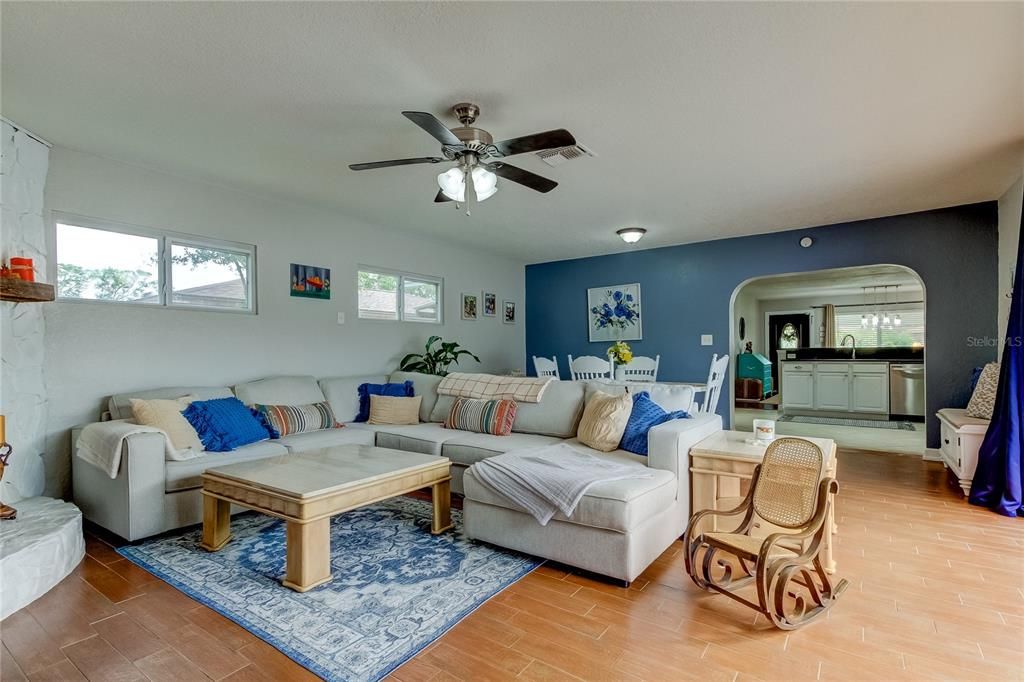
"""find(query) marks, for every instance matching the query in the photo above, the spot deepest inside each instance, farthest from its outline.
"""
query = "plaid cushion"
(288, 419)
(482, 416)
(493, 387)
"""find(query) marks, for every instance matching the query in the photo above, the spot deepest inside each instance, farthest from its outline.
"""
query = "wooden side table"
(721, 463)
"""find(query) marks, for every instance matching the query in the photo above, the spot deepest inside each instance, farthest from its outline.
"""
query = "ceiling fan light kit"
(631, 235)
(472, 149)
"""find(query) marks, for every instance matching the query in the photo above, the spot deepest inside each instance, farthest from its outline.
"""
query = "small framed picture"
(308, 281)
(490, 304)
(469, 304)
(509, 314)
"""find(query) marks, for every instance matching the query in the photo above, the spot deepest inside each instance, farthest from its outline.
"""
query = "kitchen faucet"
(853, 342)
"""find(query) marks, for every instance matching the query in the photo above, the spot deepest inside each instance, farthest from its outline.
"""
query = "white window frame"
(400, 293)
(894, 309)
(165, 240)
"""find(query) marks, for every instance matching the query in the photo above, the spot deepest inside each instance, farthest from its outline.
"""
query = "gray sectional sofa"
(617, 530)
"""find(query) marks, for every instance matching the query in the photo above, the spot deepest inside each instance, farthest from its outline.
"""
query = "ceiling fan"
(472, 149)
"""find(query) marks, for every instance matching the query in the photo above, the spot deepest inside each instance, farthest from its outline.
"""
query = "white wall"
(96, 349)
(22, 387)
(1009, 234)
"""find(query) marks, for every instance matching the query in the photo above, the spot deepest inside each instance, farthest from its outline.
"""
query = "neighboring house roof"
(228, 294)
(376, 303)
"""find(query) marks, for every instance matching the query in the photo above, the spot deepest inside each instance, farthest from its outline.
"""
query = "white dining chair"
(546, 367)
(640, 368)
(716, 377)
(589, 367)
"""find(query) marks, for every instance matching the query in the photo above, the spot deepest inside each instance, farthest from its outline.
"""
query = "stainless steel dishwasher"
(906, 389)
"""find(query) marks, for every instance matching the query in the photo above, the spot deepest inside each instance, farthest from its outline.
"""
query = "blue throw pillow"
(646, 415)
(403, 390)
(224, 424)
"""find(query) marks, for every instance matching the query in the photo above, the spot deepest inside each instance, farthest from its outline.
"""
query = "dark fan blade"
(523, 177)
(432, 125)
(395, 162)
(440, 197)
(551, 139)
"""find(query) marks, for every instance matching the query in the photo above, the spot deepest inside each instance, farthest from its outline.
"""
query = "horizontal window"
(97, 261)
(904, 327)
(388, 295)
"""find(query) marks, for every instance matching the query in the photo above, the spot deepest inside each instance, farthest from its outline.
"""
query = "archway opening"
(836, 353)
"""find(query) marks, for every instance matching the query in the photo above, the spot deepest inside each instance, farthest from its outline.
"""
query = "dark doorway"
(786, 331)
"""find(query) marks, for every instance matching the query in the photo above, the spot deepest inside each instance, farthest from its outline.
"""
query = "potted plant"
(435, 360)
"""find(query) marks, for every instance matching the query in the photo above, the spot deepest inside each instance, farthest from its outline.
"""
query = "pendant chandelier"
(879, 316)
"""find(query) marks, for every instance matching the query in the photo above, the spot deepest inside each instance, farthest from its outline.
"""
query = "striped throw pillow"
(482, 416)
(288, 419)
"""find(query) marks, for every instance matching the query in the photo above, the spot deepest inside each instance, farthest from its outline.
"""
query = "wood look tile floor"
(937, 592)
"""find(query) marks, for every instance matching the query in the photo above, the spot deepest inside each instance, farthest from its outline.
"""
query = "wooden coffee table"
(307, 489)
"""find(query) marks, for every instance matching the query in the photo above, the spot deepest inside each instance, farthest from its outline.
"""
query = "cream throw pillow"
(604, 420)
(385, 409)
(983, 401)
(166, 416)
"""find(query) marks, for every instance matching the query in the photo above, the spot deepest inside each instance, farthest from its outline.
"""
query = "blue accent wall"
(686, 291)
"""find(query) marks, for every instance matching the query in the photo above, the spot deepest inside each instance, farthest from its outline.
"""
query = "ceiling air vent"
(558, 156)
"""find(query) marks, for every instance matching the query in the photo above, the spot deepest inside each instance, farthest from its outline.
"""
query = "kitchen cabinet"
(869, 388)
(798, 386)
(854, 387)
(832, 388)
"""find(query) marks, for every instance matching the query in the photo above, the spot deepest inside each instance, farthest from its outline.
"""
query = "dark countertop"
(899, 354)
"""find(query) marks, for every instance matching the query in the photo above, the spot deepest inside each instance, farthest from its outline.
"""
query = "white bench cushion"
(469, 448)
(423, 438)
(613, 505)
(287, 390)
(188, 473)
(311, 440)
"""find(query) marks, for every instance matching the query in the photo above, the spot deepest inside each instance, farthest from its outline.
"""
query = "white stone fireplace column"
(44, 543)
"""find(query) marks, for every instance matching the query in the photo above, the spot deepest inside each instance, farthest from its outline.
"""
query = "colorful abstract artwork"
(310, 282)
(614, 313)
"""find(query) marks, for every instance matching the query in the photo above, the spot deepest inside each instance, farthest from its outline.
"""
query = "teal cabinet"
(755, 366)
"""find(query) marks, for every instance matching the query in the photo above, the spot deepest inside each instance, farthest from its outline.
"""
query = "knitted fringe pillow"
(482, 416)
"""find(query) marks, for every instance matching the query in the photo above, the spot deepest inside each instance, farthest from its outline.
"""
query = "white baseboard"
(932, 455)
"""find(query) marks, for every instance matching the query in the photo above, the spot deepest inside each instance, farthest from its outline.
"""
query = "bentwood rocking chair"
(787, 492)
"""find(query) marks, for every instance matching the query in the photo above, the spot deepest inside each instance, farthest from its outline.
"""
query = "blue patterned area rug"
(396, 587)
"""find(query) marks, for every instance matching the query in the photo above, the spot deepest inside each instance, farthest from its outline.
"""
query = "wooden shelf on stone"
(20, 291)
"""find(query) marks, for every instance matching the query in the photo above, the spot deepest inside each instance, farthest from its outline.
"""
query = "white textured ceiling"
(857, 281)
(709, 120)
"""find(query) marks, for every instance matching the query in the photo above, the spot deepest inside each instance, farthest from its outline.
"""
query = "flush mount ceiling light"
(631, 235)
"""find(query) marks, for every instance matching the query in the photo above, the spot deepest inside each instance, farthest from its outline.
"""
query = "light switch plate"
(341, 318)
(706, 339)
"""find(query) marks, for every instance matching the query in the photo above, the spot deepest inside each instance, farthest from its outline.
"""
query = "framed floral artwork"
(613, 313)
(469, 303)
(509, 312)
(490, 304)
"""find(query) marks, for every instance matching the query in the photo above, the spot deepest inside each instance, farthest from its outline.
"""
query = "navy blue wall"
(686, 291)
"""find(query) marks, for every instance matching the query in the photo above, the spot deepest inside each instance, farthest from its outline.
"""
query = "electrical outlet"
(341, 318)
(706, 339)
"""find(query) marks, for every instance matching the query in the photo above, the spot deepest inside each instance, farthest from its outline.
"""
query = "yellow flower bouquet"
(620, 352)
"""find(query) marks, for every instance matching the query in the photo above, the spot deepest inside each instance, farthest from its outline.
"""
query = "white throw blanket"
(552, 478)
(101, 444)
(493, 387)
